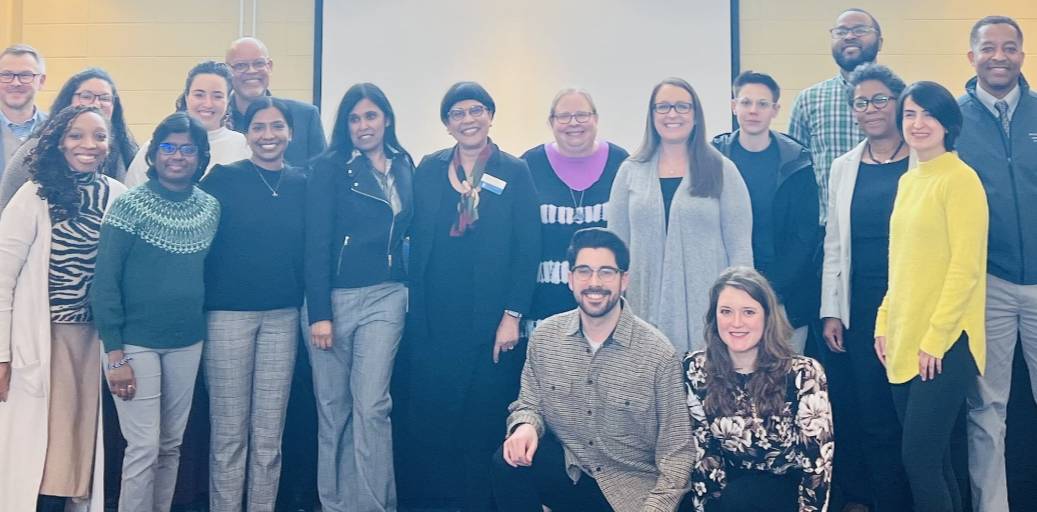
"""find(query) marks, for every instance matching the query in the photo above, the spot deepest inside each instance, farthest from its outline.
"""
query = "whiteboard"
(523, 52)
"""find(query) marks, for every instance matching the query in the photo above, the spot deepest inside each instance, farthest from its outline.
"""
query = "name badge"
(493, 184)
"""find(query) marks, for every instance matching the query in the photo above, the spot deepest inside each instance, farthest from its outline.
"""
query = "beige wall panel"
(163, 11)
(288, 38)
(198, 39)
(54, 11)
(287, 12)
(56, 41)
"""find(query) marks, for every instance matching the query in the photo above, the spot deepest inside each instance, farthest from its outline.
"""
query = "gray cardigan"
(670, 276)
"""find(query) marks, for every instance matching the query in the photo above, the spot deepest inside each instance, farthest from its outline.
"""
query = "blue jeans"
(351, 385)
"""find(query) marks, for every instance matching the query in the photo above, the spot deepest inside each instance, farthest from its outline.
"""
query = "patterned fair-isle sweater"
(149, 286)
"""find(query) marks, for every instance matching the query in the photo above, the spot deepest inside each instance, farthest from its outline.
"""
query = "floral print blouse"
(799, 442)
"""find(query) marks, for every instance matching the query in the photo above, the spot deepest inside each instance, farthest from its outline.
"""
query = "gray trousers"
(153, 424)
(248, 358)
(351, 385)
(1011, 314)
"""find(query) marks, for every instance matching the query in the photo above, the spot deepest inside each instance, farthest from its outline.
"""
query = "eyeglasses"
(605, 274)
(879, 101)
(246, 66)
(457, 114)
(90, 97)
(682, 107)
(858, 31)
(747, 103)
(168, 148)
(567, 117)
(23, 78)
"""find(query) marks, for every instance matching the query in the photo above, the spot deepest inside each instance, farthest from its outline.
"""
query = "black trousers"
(526, 489)
(928, 411)
(757, 491)
(879, 424)
(46, 503)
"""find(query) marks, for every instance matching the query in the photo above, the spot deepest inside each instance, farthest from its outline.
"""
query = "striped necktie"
(1002, 115)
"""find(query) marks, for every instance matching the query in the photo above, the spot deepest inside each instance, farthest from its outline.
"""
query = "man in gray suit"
(22, 74)
(250, 62)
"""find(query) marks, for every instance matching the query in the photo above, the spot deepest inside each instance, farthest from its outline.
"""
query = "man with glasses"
(601, 421)
(999, 140)
(821, 116)
(250, 64)
(778, 173)
(22, 74)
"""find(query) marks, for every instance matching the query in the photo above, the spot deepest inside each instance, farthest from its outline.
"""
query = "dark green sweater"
(149, 287)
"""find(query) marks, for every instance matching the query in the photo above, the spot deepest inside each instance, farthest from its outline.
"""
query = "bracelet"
(120, 363)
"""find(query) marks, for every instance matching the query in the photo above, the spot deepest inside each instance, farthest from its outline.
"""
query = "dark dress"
(451, 399)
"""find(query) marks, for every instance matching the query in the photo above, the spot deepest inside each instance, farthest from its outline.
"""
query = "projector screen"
(523, 52)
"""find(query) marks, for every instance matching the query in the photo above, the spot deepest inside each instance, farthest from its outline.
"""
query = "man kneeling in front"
(601, 421)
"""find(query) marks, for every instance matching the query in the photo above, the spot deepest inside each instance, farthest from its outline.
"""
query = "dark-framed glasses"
(858, 31)
(567, 117)
(246, 66)
(879, 101)
(605, 274)
(747, 103)
(89, 97)
(457, 114)
(682, 107)
(23, 78)
(168, 148)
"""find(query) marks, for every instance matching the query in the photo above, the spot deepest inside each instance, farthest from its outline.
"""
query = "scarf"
(468, 204)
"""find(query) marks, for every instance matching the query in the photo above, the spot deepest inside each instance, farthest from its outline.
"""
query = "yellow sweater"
(937, 266)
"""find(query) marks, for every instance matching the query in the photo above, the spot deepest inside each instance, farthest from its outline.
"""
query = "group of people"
(653, 369)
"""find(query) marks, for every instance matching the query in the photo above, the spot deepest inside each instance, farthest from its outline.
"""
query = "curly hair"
(49, 168)
(767, 385)
(123, 146)
(208, 67)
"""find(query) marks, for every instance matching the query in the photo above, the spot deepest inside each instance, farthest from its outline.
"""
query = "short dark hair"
(265, 102)
(599, 238)
(940, 104)
(874, 22)
(465, 91)
(879, 73)
(752, 77)
(180, 122)
(992, 20)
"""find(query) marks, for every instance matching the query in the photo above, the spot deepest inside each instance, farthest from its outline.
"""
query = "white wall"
(523, 52)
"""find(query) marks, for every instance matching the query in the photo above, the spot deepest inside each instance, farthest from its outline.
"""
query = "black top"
(669, 188)
(870, 210)
(255, 262)
(449, 295)
(353, 239)
(759, 170)
(558, 222)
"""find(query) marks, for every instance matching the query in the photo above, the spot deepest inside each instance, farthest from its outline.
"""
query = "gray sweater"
(672, 271)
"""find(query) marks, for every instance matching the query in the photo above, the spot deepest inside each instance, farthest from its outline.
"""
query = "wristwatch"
(513, 314)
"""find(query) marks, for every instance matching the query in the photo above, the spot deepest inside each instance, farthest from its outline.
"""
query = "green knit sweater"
(148, 289)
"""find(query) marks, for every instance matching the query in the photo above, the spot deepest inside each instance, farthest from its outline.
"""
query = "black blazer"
(508, 236)
(352, 238)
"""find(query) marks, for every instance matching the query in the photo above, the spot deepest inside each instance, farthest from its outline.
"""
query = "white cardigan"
(835, 277)
(25, 342)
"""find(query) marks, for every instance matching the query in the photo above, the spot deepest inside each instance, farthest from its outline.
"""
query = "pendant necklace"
(273, 190)
(891, 157)
(578, 216)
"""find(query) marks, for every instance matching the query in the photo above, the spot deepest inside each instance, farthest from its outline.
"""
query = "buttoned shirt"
(21, 130)
(618, 411)
(988, 100)
(822, 120)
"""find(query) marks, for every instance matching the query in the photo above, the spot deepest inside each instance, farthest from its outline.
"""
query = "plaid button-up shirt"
(822, 120)
(619, 412)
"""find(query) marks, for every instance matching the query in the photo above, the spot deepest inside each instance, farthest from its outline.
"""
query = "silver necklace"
(273, 190)
(577, 208)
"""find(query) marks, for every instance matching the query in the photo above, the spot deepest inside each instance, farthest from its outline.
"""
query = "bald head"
(249, 61)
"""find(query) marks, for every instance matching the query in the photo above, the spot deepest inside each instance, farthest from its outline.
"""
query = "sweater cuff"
(111, 342)
(934, 344)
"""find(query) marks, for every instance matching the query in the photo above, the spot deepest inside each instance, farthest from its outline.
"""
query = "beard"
(867, 53)
(612, 299)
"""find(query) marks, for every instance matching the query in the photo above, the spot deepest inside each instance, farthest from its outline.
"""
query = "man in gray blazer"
(22, 74)
(251, 65)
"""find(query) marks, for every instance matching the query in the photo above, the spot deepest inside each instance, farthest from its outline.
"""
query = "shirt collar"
(622, 334)
(30, 123)
(988, 100)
